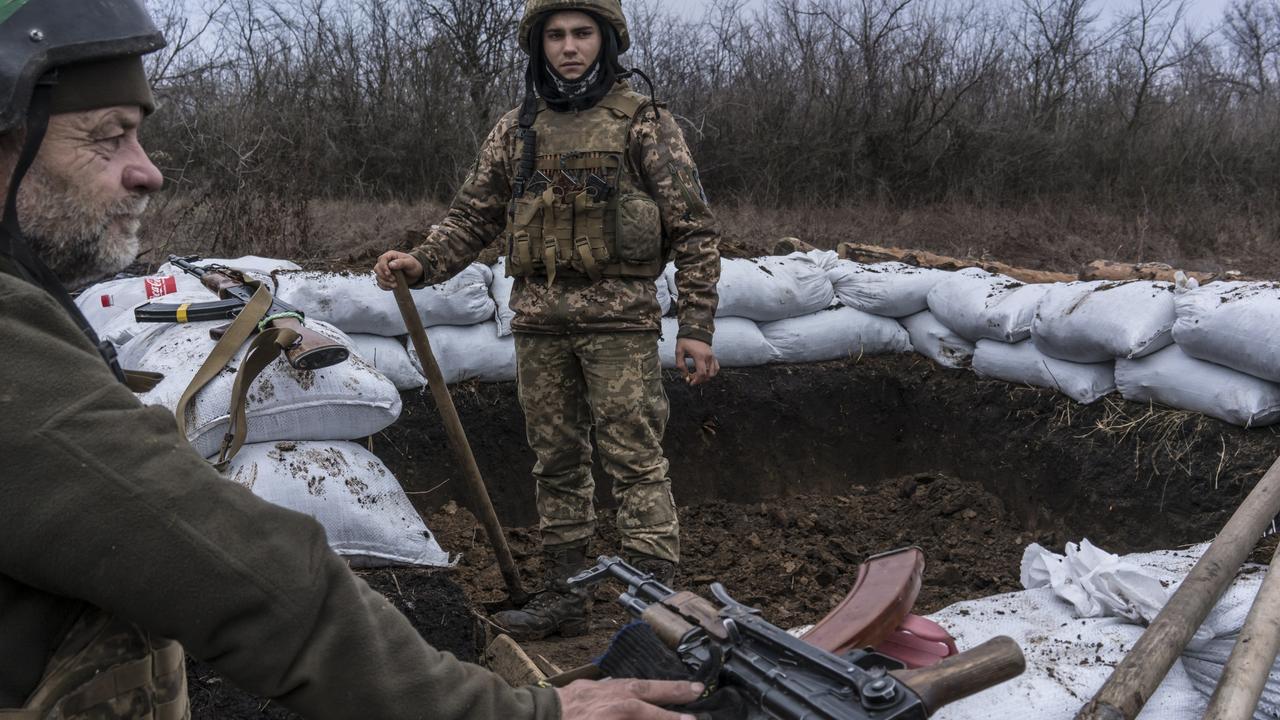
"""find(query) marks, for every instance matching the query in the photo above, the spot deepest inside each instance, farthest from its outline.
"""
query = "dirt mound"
(794, 558)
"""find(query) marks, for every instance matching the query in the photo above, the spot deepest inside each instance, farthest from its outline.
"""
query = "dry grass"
(1047, 235)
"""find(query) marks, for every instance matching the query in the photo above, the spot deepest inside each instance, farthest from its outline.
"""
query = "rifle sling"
(262, 352)
(224, 352)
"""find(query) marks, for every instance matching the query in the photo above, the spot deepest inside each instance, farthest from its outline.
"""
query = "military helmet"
(608, 10)
(37, 36)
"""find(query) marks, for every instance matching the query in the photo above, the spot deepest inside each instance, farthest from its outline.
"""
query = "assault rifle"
(785, 678)
(309, 351)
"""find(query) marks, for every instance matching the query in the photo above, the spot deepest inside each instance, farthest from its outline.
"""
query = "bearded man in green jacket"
(589, 188)
(118, 541)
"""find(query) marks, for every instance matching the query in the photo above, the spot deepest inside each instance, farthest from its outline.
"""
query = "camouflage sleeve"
(477, 214)
(664, 160)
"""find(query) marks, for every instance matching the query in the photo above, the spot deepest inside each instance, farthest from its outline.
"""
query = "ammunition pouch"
(582, 213)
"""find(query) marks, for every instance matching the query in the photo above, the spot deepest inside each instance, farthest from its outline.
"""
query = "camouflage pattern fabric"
(610, 10)
(612, 381)
(658, 161)
(107, 669)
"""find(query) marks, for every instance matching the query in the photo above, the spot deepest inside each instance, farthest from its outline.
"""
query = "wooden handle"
(311, 351)
(960, 676)
(667, 625)
(482, 505)
(1138, 675)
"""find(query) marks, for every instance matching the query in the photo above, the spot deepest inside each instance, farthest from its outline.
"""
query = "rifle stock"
(311, 351)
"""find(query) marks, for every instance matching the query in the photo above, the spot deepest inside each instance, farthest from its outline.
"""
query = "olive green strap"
(264, 349)
(549, 233)
(240, 329)
(583, 245)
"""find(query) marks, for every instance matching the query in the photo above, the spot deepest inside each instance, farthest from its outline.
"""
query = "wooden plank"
(505, 657)
(920, 258)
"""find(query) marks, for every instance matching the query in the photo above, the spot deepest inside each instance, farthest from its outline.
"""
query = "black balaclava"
(564, 95)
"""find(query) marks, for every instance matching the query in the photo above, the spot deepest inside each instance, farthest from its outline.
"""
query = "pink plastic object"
(918, 642)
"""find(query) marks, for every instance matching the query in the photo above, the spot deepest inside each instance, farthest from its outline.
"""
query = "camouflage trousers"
(569, 384)
(107, 669)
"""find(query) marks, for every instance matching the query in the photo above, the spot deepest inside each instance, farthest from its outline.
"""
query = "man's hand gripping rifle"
(305, 350)
(786, 678)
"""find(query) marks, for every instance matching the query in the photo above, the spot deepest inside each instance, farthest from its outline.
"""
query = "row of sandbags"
(1078, 617)
(300, 424)
(1208, 349)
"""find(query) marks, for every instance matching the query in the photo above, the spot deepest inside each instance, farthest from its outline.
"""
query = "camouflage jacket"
(662, 164)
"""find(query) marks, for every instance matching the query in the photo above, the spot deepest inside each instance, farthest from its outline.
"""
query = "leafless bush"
(270, 104)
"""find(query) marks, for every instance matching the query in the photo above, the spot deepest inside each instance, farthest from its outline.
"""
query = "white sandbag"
(839, 332)
(1023, 363)
(1089, 322)
(391, 358)
(1172, 377)
(891, 289)
(738, 342)
(1236, 324)
(1096, 583)
(977, 304)
(353, 302)
(1067, 660)
(767, 288)
(500, 289)
(664, 294)
(346, 401)
(470, 352)
(366, 515)
(102, 303)
(825, 259)
(936, 341)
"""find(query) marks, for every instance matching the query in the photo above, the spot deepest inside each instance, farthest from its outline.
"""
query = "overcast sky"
(1198, 11)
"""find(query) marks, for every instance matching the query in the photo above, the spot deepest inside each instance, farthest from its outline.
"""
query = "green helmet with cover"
(95, 44)
(608, 10)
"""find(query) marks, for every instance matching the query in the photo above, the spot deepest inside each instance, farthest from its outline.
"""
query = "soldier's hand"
(395, 260)
(705, 364)
(626, 699)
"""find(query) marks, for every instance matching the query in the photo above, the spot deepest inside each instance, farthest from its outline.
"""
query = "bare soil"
(789, 476)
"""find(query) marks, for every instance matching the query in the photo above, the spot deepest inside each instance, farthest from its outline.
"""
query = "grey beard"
(78, 241)
(573, 88)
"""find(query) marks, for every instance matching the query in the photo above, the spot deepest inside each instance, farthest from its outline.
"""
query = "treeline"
(795, 102)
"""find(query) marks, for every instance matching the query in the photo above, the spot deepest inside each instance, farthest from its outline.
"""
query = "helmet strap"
(27, 264)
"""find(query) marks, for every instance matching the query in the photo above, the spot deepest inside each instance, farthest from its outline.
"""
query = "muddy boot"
(558, 609)
(664, 571)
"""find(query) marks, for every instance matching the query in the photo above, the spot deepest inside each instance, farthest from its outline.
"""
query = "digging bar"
(481, 503)
(1140, 673)
(1236, 696)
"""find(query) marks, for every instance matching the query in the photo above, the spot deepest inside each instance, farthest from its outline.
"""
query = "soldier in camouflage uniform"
(590, 188)
(119, 545)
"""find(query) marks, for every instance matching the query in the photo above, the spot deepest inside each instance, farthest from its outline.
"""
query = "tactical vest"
(107, 669)
(582, 209)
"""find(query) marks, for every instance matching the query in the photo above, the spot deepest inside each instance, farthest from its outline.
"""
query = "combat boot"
(558, 609)
(664, 571)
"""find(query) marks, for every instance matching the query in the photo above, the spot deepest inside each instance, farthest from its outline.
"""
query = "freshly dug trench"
(789, 476)
(1130, 476)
